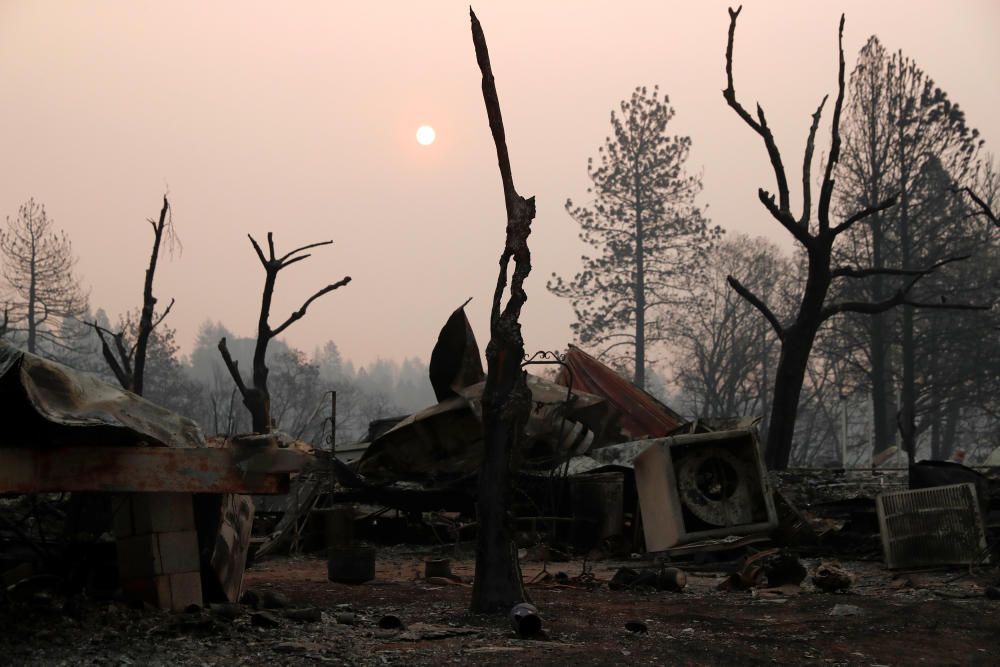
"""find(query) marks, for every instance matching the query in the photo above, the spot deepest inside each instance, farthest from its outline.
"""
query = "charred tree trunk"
(797, 338)
(640, 297)
(255, 396)
(908, 395)
(129, 366)
(881, 372)
(506, 398)
(32, 300)
(952, 417)
(797, 343)
(146, 323)
(937, 448)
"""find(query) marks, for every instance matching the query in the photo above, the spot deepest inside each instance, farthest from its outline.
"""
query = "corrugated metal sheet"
(45, 403)
(641, 415)
(445, 441)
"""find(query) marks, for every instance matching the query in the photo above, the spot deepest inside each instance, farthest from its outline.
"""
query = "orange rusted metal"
(641, 415)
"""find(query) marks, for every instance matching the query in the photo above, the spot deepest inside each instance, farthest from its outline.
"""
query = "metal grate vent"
(927, 527)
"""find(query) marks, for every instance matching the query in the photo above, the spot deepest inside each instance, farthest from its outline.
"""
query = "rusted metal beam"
(146, 469)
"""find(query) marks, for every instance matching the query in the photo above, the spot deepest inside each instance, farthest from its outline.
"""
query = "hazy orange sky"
(299, 118)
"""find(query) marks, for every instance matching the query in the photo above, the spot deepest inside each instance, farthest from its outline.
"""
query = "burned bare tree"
(506, 397)
(39, 283)
(256, 397)
(129, 366)
(797, 337)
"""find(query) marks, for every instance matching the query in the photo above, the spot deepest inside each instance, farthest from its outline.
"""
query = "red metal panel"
(641, 415)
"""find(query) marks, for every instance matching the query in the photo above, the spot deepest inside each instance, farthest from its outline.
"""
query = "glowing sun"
(426, 135)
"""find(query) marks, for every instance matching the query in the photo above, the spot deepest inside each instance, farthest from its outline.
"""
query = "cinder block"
(144, 513)
(162, 512)
(138, 556)
(185, 590)
(178, 552)
(166, 591)
(153, 590)
(121, 512)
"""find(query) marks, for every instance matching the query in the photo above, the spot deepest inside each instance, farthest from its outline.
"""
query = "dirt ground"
(933, 618)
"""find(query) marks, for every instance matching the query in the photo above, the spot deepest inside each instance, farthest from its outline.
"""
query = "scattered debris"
(832, 577)
(638, 627)
(784, 569)
(933, 526)
(351, 564)
(430, 631)
(390, 622)
(661, 579)
(525, 620)
(304, 615)
(846, 610)
(264, 619)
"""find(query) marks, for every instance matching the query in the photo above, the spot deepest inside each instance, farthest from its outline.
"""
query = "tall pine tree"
(647, 229)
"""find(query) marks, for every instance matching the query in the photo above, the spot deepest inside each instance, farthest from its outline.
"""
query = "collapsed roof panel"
(445, 441)
(48, 404)
(455, 361)
(640, 414)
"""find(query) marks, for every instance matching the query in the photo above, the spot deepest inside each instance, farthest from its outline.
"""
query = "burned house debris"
(655, 505)
(615, 492)
(539, 508)
(181, 519)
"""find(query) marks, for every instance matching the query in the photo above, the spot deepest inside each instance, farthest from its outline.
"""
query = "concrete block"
(166, 591)
(185, 590)
(162, 512)
(138, 556)
(178, 552)
(152, 590)
(121, 513)
(144, 513)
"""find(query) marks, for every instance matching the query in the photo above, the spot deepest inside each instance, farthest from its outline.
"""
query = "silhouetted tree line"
(894, 325)
(879, 330)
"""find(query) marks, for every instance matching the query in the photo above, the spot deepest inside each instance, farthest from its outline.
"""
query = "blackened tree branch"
(807, 164)
(757, 303)
(826, 192)
(901, 297)
(256, 247)
(864, 213)
(130, 365)
(852, 272)
(760, 127)
(163, 316)
(146, 323)
(123, 379)
(983, 206)
(285, 257)
(256, 397)
(233, 366)
(300, 313)
(798, 230)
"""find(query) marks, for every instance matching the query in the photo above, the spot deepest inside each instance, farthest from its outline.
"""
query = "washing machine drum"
(714, 485)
